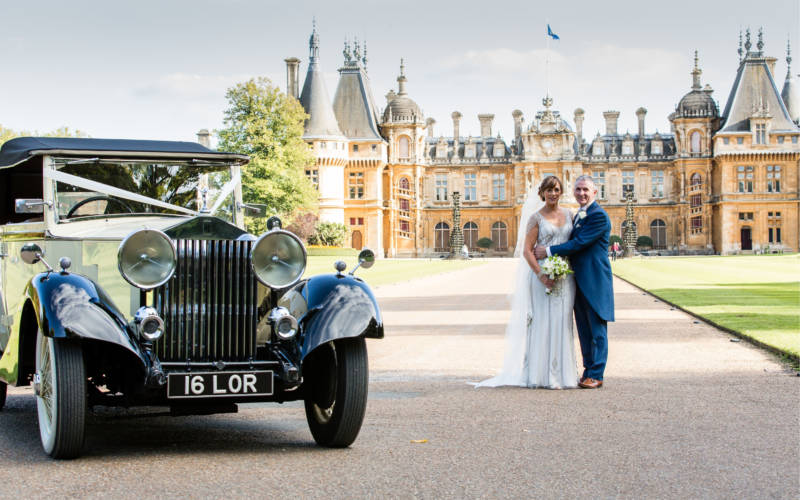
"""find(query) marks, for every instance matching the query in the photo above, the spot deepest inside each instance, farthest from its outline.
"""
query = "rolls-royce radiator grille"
(209, 306)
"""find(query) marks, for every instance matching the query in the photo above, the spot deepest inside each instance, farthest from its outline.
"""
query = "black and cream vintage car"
(128, 279)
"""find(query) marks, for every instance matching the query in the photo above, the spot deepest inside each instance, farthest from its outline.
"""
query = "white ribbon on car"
(226, 190)
(80, 182)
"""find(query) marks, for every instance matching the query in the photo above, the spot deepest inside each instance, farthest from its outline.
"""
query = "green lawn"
(389, 270)
(755, 295)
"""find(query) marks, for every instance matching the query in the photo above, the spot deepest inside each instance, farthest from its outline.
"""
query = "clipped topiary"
(485, 243)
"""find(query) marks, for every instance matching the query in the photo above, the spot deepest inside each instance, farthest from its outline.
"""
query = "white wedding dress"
(540, 351)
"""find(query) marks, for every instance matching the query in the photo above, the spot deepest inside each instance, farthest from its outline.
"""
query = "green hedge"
(332, 251)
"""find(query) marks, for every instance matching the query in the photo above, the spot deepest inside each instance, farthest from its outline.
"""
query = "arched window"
(500, 236)
(696, 179)
(404, 183)
(441, 237)
(403, 147)
(658, 233)
(695, 141)
(471, 236)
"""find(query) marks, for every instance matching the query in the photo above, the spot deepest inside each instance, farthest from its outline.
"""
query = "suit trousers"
(592, 333)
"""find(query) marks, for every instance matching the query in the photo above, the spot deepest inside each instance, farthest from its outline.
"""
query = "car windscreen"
(86, 188)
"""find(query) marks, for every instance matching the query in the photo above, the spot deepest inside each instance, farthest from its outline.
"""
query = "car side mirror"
(366, 258)
(31, 253)
(29, 205)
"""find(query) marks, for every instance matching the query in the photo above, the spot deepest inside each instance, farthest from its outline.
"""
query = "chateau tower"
(403, 126)
(323, 134)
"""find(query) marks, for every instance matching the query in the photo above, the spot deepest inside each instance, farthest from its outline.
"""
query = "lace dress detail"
(540, 350)
(550, 353)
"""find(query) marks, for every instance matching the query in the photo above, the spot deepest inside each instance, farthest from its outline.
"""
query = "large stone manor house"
(719, 182)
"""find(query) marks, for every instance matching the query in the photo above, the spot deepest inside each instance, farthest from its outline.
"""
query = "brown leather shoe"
(590, 383)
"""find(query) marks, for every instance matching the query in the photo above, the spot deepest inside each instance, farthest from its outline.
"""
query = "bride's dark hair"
(549, 182)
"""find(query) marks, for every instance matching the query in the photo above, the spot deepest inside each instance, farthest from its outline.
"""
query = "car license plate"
(219, 384)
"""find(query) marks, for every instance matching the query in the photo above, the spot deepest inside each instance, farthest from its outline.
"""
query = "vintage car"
(128, 279)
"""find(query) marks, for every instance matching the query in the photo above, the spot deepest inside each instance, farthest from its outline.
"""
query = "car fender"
(68, 305)
(339, 306)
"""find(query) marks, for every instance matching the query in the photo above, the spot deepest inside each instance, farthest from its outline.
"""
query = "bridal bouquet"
(555, 267)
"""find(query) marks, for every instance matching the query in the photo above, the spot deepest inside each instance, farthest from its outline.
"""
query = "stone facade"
(716, 183)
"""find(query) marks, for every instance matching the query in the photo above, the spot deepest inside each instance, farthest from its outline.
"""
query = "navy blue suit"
(587, 250)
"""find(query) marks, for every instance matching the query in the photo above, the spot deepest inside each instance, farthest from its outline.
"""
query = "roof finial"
(788, 57)
(313, 43)
(696, 72)
(747, 43)
(401, 80)
(357, 51)
(346, 51)
(740, 51)
(364, 59)
(760, 43)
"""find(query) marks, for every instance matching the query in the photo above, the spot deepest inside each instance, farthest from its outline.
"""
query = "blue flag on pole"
(551, 34)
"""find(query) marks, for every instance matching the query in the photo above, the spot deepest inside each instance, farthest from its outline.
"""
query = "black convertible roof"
(20, 149)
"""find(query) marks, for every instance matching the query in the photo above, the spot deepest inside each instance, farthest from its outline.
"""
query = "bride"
(540, 351)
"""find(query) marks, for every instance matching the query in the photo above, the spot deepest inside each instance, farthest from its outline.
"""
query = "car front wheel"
(60, 388)
(337, 395)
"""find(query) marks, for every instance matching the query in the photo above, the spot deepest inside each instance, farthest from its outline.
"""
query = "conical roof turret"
(353, 104)
(790, 93)
(315, 98)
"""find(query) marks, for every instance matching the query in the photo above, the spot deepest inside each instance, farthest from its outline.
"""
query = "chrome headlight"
(146, 258)
(149, 324)
(278, 259)
(284, 325)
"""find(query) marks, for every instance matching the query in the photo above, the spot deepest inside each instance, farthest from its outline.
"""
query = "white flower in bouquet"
(555, 268)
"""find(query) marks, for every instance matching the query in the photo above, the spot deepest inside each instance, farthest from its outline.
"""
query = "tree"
(614, 238)
(266, 124)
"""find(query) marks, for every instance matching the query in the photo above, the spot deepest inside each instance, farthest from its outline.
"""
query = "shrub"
(303, 225)
(485, 243)
(614, 238)
(644, 241)
(329, 234)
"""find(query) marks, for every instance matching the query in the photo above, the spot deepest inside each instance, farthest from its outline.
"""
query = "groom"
(587, 250)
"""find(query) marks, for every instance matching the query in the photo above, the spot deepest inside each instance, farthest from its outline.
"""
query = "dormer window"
(627, 149)
(655, 148)
(441, 149)
(469, 151)
(761, 133)
(598, 149)
(499, 149)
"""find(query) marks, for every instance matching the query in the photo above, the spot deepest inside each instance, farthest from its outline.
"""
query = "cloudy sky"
(155, 69)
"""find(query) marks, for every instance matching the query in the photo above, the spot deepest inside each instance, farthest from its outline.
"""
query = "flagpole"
(547, 59)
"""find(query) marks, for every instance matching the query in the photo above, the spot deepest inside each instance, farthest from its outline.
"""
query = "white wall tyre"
(60, 388)
(337, 397)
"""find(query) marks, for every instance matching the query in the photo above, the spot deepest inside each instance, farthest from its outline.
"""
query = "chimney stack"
(292, 81)
(204, 138)
(640, 113)
(578, 117)
(429, 123)
(611, 121)
(456, 121)
(486, 124)
(517, 115)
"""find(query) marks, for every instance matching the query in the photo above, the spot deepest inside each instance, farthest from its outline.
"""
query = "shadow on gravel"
(112, 432)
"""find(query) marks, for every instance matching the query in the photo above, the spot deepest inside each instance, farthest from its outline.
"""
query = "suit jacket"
(587, 250)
